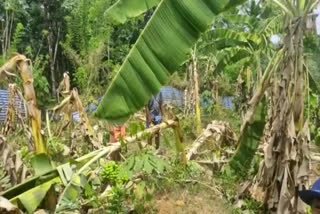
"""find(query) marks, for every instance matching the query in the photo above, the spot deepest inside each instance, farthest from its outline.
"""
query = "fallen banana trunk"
(219, 131)
(67, 175)
(114, 147)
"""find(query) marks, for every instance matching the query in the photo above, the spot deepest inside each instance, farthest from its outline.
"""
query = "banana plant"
(23, 64)
(163, 45)
(286, 165)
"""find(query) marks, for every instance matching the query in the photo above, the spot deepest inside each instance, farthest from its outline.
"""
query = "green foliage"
(228, 182)
(40, 83)
(188, 127)
(250, 206)
(17, 38)
(136, 127)
(56, 148)
(144, 162)
(116, 200)
(81, 77)
(145, 165)
(88, 33)
(178, 172)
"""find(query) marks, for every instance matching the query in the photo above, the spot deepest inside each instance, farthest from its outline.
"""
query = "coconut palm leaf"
(161, 48)
(122, 10)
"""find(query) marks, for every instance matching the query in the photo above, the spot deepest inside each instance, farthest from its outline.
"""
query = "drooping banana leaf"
(232, 56)
(249, 144)
(122, 10)
(162, 47)
(235, 35)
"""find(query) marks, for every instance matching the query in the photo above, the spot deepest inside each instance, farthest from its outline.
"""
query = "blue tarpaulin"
(170, 95)
(4, 103)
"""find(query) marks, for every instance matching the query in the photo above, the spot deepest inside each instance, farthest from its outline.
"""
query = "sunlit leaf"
(162, 47)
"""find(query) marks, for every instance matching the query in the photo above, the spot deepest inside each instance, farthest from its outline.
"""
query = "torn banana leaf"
(161, 48)
(32, 198)
(32, 192)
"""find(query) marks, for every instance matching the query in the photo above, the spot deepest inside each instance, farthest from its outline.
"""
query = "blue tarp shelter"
(4, 103)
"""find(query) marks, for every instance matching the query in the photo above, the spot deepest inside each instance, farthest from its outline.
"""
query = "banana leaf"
(123, 10)
(32, 198)
(41, 164)
(235, 35)
(248, 145)
(162, 47)
(32, 192)
(241, 19)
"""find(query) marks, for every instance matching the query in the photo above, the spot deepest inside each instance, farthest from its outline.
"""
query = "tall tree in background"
(87, 41)
(10, 10)
(53, 14)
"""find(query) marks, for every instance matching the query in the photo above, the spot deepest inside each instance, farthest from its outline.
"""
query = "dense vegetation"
(249, 72)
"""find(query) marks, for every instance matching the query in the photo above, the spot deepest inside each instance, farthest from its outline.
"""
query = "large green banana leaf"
(122, 10)
(162, 47)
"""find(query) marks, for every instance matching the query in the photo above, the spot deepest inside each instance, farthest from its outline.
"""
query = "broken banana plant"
(15, 169)
(70, 104)
(30, 194)
(64, 86)
(286, 165)
(23, 64)
(219, 131)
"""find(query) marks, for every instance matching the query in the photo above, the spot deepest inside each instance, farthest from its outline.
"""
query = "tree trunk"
(52, 75)
(51, 46)
(286, 165)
